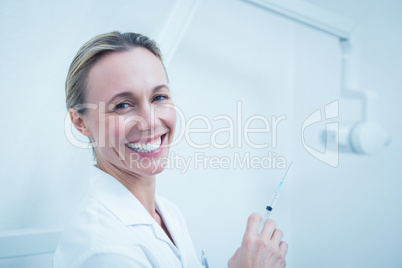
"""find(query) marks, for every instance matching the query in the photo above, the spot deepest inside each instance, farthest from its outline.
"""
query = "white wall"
(350, 216)
(332, 217)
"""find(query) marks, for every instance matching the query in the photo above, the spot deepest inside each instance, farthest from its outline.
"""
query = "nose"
(146, 120)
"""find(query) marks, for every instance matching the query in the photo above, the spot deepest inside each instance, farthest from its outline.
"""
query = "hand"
(264, 250)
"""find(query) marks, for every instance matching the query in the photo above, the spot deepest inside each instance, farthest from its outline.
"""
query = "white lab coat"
(113, 229)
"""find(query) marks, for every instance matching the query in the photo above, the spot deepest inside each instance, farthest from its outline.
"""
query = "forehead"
(136, 70)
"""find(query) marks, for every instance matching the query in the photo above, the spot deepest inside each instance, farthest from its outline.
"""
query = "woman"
(117, 94)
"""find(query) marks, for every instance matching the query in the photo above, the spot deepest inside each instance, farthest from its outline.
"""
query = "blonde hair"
(90, 53)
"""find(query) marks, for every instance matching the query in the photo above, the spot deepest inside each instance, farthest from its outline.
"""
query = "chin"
(148, 166)
(150, 171)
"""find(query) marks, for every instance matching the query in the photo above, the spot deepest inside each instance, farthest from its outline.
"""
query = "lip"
(147, 139)
(155, 153)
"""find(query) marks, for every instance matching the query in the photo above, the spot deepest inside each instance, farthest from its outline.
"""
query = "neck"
(142, 187)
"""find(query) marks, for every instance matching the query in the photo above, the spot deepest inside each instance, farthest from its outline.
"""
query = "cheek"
(92, 120)
(170, 117)
(116, 130)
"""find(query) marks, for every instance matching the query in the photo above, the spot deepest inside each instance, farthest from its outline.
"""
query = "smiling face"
(134, 120)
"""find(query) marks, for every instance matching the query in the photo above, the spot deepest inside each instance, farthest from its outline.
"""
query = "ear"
(79, 122)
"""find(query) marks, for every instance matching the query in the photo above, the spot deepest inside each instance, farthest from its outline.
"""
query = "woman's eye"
(160, 97)
(122, 105)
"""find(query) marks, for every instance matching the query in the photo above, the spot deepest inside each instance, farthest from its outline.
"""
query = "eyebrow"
(130, 94)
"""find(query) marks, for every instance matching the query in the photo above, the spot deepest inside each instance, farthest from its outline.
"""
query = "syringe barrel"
(274, 199)
(267, 211)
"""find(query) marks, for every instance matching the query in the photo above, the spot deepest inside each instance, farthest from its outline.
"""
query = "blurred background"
(224, 59)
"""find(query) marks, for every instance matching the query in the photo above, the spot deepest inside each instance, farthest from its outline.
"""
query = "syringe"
(268, 210)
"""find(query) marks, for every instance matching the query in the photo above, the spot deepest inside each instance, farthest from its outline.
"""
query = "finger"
(252, 224)
(277, 236)
(283, 247)
(268, 229)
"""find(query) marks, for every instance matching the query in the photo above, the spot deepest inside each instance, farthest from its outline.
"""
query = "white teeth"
(146, 147)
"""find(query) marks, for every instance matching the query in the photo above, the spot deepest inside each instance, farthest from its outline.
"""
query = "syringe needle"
(283, 178)
(268, 210)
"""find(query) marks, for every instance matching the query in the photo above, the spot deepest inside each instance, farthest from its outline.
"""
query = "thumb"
(232, 260)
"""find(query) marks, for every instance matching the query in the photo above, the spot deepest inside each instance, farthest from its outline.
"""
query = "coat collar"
(118, 199)
(128, 209)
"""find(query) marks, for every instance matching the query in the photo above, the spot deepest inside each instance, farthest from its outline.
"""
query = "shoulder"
(91, 227)
(108, 256)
